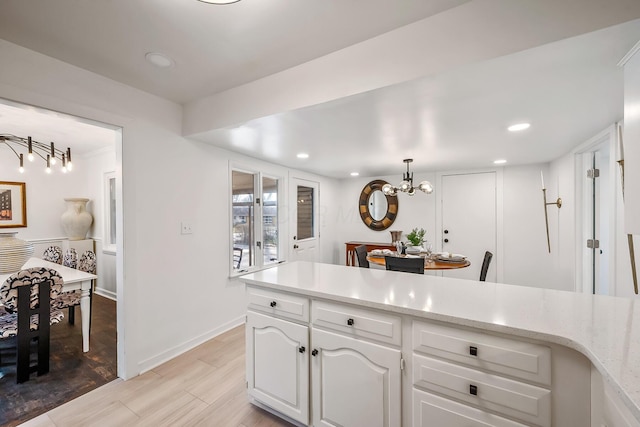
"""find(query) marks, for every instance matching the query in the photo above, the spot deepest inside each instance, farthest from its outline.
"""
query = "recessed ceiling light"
(519, 126)
(302, 156)
(355, 173)
(159, 59)
(500, 162)
(219, 1)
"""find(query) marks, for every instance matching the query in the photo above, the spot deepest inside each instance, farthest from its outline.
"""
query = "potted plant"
(416, 238)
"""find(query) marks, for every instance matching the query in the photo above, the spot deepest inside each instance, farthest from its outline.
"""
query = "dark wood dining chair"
(361, 252)
(407, 265)
(237, 258)
(26, 296)
(485, 265)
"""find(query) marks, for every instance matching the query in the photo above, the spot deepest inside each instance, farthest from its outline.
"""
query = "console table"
(350, 258)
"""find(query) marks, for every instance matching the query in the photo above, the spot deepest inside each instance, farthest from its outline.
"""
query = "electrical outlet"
(186, 228)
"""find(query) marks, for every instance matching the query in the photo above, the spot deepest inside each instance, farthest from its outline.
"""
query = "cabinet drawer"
(430, 410)
(358, 322)
(525, 402)
(278, 304)
(531, 362)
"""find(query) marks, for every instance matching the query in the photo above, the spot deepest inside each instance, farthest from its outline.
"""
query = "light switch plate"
(186, 228)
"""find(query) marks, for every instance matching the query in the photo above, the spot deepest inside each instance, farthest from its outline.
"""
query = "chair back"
(53, 254)
(407, 265)
(30, 292)
(87, 262)
(70, 258)
(31, 277)
(237, 258)
(361, 252)
(485, 265)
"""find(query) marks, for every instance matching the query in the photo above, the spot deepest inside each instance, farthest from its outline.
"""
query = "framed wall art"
(13, 204)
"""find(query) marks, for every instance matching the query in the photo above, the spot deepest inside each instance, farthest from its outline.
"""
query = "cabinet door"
(354, 383)
(278, 364)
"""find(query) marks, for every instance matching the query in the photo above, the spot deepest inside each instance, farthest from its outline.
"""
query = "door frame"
(582, 263)
(294, 179)
(498, 257)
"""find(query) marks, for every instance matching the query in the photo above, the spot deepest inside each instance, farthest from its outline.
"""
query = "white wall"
(413, 211)
(525, 260)
(45, 194)
(175, 291)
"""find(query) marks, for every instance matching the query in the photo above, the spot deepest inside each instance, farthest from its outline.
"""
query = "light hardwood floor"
(203, 387)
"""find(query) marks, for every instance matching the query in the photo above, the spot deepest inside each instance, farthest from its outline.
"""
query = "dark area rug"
(72, 373)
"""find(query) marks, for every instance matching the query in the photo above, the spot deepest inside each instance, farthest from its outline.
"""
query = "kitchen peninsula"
(331, 344)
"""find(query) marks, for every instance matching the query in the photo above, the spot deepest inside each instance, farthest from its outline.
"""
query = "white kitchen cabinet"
(278, 364)
(354, 382)
(631, 64)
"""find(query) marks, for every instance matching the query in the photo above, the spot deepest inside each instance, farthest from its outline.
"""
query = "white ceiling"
(214, 47)
(569, 90)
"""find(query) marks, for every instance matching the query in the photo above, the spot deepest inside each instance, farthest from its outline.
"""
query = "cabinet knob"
(446, 231)
(446, 240)
(350, 322)
(295, 246)
(273, 303)
(473, 350)
(473, 389)
(301, 349)
(314, 352)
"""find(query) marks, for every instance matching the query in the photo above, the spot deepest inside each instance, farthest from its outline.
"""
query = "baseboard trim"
(152, 362)
(107, 294)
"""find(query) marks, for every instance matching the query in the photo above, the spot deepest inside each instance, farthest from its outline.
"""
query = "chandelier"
(406, 186)
(47, 152)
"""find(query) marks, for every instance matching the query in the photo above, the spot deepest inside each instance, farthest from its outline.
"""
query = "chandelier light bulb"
(21, 168)
(405, 186)
(426, 187)
(69, 165)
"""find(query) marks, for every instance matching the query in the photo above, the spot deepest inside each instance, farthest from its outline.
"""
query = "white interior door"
(304, 220)
(469, 215)
(596, 208)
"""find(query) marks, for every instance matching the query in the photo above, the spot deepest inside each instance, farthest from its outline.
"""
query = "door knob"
(301, 349)
(473, 389)
(446, 240)
(314, 352)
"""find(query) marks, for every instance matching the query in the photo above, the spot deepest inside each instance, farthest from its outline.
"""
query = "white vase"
(76, 220)
(14, 252)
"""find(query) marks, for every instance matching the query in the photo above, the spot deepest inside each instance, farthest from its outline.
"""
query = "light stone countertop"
(605, 329)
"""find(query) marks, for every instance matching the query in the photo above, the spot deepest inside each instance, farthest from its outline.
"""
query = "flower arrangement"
(416, 237)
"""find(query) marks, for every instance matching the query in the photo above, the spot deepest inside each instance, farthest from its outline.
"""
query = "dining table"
(73, 279)
(430, 264)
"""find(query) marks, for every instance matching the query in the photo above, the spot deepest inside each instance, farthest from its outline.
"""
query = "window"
(110, 212)
(255, 220)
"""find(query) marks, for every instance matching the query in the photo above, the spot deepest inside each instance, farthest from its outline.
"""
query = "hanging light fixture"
(47, 152)
(406, 186)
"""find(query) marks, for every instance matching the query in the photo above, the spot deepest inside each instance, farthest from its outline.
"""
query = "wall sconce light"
(558, 203)
(632, 253)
